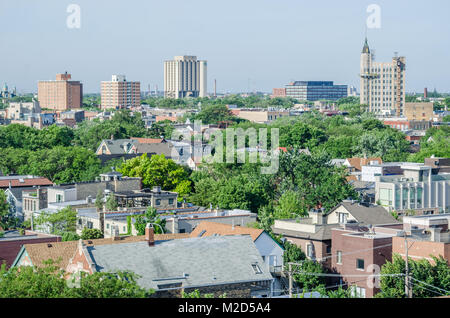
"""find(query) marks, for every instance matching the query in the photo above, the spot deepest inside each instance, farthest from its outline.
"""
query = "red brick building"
(12, 242)
(427, 236)
(358, 252)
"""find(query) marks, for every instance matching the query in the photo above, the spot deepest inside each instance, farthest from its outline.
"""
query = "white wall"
(267, 246)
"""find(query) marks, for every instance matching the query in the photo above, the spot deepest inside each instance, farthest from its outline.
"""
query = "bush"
(91, 234)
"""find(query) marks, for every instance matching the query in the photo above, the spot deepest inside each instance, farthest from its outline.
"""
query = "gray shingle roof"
(206, 261)
(164, 148)
(323, 232)
(372, 214)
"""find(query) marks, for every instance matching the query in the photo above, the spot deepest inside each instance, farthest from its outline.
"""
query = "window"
(328, 249)
(310, 250)
(339, 257)
(358, 291)
(182, 230)
(360, 264)
(107, 226)
(59, 198)
(342, 218)
(170, 201)
(272, 260)
(256, 269)
(158, 202)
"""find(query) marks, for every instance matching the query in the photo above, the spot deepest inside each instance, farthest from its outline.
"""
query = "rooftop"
(193, 262)
(205, 229)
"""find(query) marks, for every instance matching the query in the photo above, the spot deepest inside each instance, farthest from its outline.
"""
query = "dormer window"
(256, 269)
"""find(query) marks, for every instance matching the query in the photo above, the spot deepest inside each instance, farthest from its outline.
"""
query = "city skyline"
(252, 46)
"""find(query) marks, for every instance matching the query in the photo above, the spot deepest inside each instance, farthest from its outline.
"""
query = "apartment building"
(417, 189)
(60, 94)
(21, 110)
(185, 76)
(262, 116)
(382, 84)
(419, 111)
(120, 93)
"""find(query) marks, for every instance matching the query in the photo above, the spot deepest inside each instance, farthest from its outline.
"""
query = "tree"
(58, 222)
(289, 206)
(69, 236)
(49, 282)
(99, 200)
(196, 294)
(156, 171)
(91, 234)
(292, 253)
(151, 216)
(266, 218)
(5, 217)
(314, 178)
(111, 203)
(213, 114)
(424, 272)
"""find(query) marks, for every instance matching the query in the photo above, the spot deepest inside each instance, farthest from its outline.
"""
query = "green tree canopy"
(156, 171)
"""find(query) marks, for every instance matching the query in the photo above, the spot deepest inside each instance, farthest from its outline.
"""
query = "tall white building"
(185, 76)
(382, 84)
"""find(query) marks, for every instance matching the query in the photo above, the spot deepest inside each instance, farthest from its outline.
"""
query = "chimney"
(150, 235)
(317, 216)
(115, 233)
(157, 189)
(435, 234)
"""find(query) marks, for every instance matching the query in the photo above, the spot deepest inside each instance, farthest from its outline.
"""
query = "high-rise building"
(61, 94)
(119, 93)
(314, 90)
(185, 76)
(382, 84)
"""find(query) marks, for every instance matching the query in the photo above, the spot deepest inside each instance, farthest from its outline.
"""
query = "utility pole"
(408, 291)
(290, 280)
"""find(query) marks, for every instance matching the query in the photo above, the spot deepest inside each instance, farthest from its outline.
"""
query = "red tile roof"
(27, 182)
(210, 228)
(148, 140)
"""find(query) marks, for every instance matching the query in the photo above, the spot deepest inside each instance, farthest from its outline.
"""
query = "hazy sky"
(266, 43)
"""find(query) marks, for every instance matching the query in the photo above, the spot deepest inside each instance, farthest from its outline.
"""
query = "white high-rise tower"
(185, 76)
(382, 84)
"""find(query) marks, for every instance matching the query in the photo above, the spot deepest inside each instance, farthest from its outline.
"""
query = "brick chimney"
(115, 233)
(150, 235)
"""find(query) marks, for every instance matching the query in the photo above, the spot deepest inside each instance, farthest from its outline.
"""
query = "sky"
(251, 45)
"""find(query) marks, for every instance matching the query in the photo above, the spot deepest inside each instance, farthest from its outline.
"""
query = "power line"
(343, 275)
(430, 290)
(443, 290)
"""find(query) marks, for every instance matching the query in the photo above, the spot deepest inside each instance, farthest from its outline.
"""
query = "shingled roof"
(61, 252)
(367, 214)
(190, 262)
(205, 228)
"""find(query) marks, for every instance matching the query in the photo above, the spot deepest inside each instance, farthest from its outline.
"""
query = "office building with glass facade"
(316, 90)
